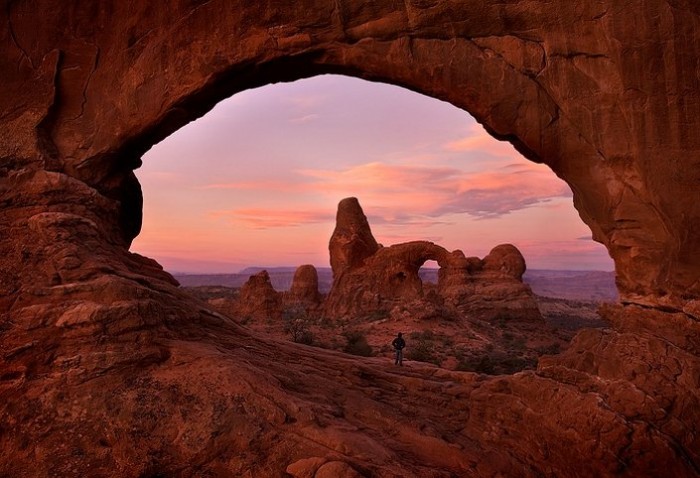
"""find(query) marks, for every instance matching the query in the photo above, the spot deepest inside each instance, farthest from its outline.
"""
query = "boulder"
(506, 260)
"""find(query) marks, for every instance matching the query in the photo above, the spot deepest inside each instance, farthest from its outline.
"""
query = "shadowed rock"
(106, 368)
(352, 241)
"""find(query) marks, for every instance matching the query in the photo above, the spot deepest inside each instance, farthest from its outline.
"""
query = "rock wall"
(107, 369)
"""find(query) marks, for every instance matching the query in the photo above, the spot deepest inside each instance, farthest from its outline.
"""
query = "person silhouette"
(399, 343)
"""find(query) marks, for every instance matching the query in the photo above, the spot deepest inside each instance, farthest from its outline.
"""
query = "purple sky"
(257, 180)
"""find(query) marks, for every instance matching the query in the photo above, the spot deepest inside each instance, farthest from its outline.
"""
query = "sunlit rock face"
(258, 299)
(369, 278)
(108, 369)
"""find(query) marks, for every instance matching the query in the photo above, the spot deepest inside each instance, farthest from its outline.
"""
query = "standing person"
(399, 343)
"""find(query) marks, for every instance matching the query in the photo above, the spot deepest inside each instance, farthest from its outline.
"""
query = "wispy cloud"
(408, 191)
(412, 195)
(478, 140)
(269, 218)
(304, 118)
(265, 185)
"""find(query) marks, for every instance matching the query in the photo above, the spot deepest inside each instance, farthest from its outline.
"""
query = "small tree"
(297, 324)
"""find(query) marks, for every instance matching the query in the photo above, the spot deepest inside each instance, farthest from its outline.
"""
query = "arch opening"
(342, 162)
(428, 272)
(415, 190)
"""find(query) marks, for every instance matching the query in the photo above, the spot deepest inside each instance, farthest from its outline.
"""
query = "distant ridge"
(575, 285)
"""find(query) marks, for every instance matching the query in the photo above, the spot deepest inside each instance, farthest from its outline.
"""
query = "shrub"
(356, 344)
(496, 363)
(297, 324)
(482, 365)
(422, 351)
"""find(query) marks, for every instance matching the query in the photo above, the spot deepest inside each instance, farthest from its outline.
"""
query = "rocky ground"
(479, 342)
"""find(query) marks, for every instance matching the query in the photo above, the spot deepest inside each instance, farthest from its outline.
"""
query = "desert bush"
(511, 364)
(422, 350)
(356, 343)
(495, 363)
(482, 364)
(447, 341)
(297, 324)
(426, 334)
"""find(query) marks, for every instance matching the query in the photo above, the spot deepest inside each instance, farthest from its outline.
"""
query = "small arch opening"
(428, 273)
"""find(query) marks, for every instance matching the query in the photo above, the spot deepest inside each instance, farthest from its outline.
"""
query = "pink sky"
(257, 180)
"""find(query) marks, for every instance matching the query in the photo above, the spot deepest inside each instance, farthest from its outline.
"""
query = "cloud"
(269, 218)
(266, 185)
(304, 119)
(407, 195)
(406, 192)
(478, 140)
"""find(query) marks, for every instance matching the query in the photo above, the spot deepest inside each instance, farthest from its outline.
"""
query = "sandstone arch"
(126, 76)
(606, 95)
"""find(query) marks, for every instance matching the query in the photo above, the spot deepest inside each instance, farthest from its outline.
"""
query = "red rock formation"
(304, 288)
(505, 260)
(258, 299)
(389, 276)
(352, 241)
(106, 368)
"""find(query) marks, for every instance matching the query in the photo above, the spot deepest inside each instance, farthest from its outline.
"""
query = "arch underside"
(101, 342)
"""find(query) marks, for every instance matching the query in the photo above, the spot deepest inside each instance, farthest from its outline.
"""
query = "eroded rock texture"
(368, 278)
(107, 369)
(304, 288)
(258, 299)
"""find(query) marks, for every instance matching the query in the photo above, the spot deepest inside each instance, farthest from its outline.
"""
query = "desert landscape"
(501, 330)
(110, 367)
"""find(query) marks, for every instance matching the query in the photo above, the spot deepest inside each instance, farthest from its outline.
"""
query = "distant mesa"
(369, 278)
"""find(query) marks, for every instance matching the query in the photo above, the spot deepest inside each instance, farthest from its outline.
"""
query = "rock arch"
(98, 90)
(607, 96)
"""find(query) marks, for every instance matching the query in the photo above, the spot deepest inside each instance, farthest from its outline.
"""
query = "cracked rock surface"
(108, 369)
